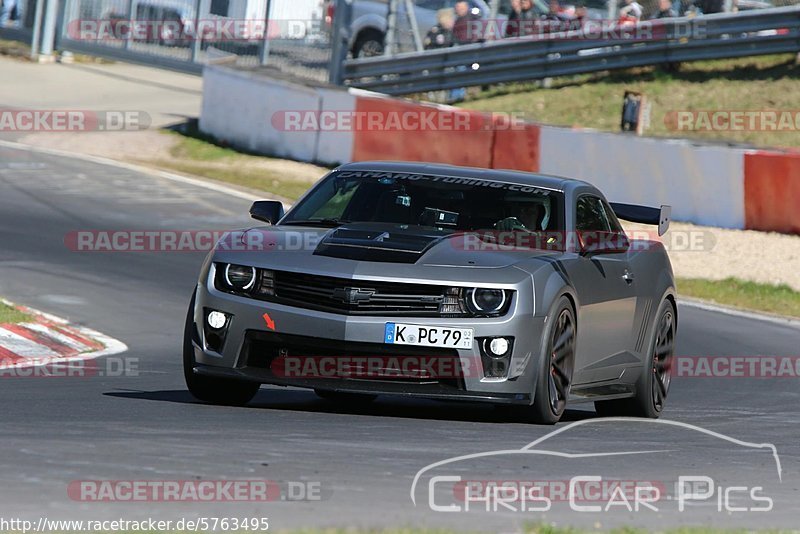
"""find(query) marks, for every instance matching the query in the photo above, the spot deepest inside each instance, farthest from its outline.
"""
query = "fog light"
(216, 320)
(498, 346)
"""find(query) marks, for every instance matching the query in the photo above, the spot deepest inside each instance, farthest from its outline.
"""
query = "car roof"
(556, 183)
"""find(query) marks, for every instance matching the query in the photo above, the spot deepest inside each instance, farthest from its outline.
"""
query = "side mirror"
(603, 243)
(269, 211)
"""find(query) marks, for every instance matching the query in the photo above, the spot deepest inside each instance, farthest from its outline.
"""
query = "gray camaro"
(441, 282)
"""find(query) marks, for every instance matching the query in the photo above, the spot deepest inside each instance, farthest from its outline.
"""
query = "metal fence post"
(343, 17)
(263, 51)
(37, 30)
(130, 15)
(391, 28)
(49, 30)
(198, 37)
(412, 20)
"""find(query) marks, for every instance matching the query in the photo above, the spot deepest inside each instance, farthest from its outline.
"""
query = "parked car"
(369, 26)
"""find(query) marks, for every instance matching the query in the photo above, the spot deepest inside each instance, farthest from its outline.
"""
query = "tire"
(209, 389)
(369, 44)
(345, 398)
(557, 366)
(652, 386)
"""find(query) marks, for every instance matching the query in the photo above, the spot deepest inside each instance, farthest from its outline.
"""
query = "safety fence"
(585, 50)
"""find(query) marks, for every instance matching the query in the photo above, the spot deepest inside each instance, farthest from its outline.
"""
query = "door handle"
(628, 277)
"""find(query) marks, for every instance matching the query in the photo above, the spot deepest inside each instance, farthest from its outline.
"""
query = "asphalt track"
(147, 427)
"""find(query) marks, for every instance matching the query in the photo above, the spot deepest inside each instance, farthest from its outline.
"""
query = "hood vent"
(380, 242)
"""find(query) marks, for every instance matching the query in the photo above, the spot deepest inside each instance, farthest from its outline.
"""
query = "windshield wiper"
(329, 222)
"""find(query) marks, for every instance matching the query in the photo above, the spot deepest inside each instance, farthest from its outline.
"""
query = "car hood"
(368, 247)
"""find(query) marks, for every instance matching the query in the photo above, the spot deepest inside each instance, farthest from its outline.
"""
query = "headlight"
(240, 277)
(245, 280)
(486, 301)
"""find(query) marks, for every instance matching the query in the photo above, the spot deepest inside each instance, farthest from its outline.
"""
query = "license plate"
(428, 336)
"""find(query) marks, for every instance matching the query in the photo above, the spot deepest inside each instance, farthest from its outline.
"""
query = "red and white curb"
(48, 340)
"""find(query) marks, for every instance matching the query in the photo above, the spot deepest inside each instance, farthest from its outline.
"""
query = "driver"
(527, 214)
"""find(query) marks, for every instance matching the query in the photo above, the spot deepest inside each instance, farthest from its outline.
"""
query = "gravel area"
(718, 253)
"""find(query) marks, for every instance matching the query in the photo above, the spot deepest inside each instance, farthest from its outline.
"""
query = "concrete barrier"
(517, 148)
(703, 184)
(436, 134)
(772, 190)
(239, 107)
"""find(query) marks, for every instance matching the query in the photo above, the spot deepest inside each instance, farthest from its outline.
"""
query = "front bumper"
(254, 347)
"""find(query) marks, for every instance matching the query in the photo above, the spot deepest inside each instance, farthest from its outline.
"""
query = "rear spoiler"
(645, 215)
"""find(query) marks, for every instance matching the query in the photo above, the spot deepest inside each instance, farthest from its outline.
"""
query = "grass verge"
(197, 154)
(10, 315)
(595, 101)
(15, 49)
(777, 299)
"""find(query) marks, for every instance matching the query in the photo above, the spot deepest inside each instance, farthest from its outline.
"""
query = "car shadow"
(383, 406)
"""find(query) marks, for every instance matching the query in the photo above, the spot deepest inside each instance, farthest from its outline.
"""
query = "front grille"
(357, 297)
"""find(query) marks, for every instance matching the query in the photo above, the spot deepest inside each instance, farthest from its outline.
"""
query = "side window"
(590, 215)
(612, 219)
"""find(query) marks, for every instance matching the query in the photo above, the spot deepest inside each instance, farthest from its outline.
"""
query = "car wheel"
(347, 398)
(207, 388)
(557, 366)
(369, 44)
(653, 384)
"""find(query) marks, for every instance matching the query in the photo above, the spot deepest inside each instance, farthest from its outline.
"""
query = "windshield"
(458, 204)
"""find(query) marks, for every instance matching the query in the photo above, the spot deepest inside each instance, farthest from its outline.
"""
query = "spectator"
(467, 27)
(553, 11)
(631, 11)
(527, 18)
(11, 11)
(581, 15)
(665, 10)
(512, 26)
(441, 35)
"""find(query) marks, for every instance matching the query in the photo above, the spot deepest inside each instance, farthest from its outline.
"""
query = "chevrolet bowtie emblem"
(352, 295)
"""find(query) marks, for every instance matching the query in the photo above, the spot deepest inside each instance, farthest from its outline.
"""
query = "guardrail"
(768, 31)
